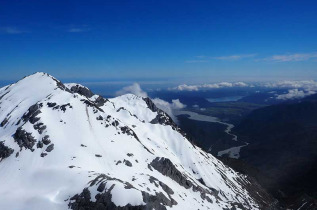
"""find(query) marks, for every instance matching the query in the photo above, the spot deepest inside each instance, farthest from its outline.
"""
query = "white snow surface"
(85, 147)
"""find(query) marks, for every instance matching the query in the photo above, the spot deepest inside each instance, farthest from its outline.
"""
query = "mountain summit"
(63, 147)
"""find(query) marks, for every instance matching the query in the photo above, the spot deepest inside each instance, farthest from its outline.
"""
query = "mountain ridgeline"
(63, 147)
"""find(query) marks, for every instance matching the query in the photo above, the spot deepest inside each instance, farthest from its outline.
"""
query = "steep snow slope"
(64, 147)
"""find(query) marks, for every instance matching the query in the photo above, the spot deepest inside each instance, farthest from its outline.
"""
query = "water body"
(206, 118)
(233, 152)
(224, 99)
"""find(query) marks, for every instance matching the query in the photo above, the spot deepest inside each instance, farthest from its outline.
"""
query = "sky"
(166, 41)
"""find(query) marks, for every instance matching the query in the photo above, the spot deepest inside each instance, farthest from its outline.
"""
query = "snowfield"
(62, 147)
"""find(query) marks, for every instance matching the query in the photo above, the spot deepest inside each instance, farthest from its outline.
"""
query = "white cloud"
(197, 61)
(305, 84)
(185, 87)
(176, 104)
(234, 57)
(297, 89)
(77, 30)
(11, 30)
(292, 57)
(165, 106)
(206, 59)
(169, 107)
(134, 89)
(294, 94)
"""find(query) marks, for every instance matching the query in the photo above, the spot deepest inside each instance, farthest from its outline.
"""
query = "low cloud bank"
(294, 94)
(185, 87)
(134, 89)
(297, 89)
(169, 107)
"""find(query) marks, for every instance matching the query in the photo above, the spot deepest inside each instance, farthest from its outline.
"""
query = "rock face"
(5, 151)
(81, 90)
(24, 139)
(77, 150)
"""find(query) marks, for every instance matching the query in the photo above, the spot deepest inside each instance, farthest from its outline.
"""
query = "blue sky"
(181, 41)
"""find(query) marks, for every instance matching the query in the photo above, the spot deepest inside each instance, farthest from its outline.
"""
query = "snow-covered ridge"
(64, 147)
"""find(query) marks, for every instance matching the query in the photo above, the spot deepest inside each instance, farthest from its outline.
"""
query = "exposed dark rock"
(81, 90)
(59, 84)
(101, 187)
(167, 168)
(39, 144)
(4, 95)
(127, 163)
(115, 123)
(162, 117)
(150, 104)
(100, 101)
(91, 104)
(50, 148)
(46, 140)
(99, 117)
(24, 139)
(5, 121)
(63, 107)
(33, 111)
(5, 151)
(43, 154)
(49, 104)
(168, 190)
(201, 181)
(103, 199)
(71, 166)
(40, 127)
(82, 145)
(128, 131)
(130, 154)
(98, 155)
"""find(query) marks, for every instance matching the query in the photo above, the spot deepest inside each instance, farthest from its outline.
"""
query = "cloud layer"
(292, 57)
(11, 30)
(294, 94)
(296, 89)
(134, 89)
(273, 58)
(185, 87)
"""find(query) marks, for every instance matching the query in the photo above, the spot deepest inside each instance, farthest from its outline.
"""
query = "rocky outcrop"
(167, 168)
(24, 139)
(150, 104)
(81, 90)
(5, 151)
(162, 117)
(103, 199)
(31, 114)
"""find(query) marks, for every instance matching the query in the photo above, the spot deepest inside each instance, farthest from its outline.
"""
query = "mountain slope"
(283, 143)
(64, 147)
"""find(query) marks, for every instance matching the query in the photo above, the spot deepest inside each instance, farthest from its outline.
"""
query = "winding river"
(233, 152)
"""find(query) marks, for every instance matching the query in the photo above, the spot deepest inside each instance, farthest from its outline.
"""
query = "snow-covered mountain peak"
(64, 147)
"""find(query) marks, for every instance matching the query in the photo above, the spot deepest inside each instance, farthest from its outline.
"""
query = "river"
(233, 152)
